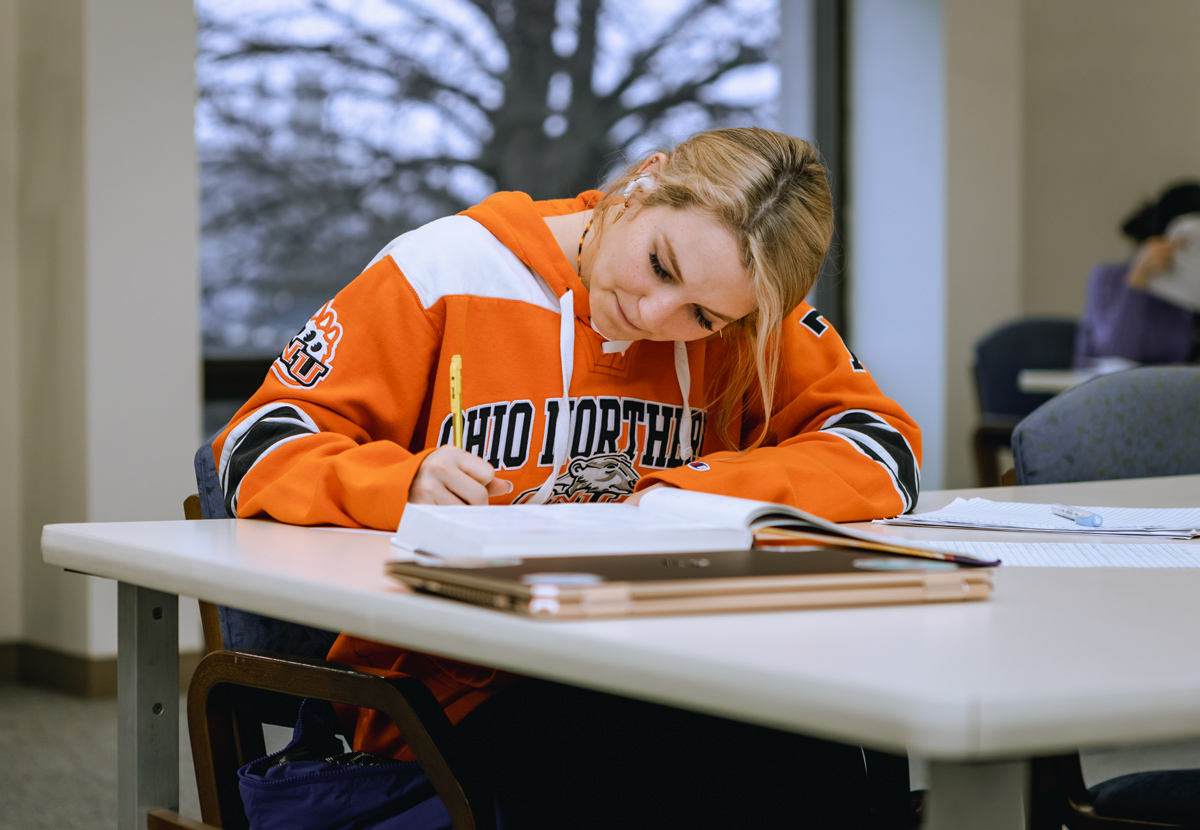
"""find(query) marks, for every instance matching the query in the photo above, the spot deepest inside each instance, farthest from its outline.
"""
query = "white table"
(1052, 381)
(1057, 659)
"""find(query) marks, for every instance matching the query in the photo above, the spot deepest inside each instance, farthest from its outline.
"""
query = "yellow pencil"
(456, 415)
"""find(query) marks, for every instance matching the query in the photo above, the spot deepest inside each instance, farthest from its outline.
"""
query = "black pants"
(562, 757)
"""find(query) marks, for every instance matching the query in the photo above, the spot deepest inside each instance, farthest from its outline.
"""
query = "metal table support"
(981, 796)
(147, 705)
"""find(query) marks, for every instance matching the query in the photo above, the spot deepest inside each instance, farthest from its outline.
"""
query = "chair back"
(1133, 424)
(1033, 343)
(242, 630)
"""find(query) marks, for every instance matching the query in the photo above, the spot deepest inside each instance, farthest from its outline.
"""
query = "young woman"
(1120, 318)
(651, 335)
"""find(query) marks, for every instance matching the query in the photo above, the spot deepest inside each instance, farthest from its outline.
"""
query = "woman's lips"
(624, 320)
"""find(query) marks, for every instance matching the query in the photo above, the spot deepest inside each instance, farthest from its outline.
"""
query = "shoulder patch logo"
(308, 358)
(814, 322)
(699, 466)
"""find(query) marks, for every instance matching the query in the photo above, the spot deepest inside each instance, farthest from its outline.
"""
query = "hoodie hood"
(518, 222)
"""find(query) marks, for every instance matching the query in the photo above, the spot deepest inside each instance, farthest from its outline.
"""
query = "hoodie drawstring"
(685, 387)
(562, 431)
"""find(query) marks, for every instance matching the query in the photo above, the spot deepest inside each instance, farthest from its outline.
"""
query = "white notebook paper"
(983, 514)
(1081, 554)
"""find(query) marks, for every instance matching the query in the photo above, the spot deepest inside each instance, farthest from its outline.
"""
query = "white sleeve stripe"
(884, 453)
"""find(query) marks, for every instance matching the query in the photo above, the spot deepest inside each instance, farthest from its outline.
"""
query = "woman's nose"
(656, 309)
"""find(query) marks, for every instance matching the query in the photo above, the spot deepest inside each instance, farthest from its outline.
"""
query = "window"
(328, 127)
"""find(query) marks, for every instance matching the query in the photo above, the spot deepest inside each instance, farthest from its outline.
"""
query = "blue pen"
(1081, 517)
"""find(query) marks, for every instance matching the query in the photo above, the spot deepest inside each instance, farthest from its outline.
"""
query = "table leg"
(976, 796)
(147, 704)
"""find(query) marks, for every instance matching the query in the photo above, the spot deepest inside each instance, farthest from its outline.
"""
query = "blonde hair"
(770, 191)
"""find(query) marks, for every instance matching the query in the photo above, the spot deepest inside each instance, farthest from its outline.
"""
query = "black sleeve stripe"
(253, 439)
(883, 444)
(906, 468)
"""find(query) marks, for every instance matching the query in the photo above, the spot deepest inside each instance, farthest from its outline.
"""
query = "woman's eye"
(702, 320)
(659, 271)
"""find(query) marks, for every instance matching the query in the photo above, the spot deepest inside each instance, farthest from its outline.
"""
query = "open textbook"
(983, 514)
(667, 520)
(1180, 284)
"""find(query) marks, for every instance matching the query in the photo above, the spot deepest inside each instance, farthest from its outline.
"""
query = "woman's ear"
(653, 165)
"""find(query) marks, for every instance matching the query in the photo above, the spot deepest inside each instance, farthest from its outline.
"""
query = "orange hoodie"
(360, 397)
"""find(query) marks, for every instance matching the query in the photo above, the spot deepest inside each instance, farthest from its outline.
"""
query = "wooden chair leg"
(410, 705)
(1059, 797)
(215, 751)
(170, 820)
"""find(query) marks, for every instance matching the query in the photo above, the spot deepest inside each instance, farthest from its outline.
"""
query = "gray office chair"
(1028, 343)
(1133, 424)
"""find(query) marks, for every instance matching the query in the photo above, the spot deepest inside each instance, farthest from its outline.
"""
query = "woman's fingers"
(451, 476)
(499, 487)
(466, 488)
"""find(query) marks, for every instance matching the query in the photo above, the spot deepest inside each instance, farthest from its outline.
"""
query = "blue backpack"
(314, 784)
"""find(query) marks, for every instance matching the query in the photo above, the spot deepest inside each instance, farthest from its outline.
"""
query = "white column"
(897, 209)
(936, 137)
(796, 68)
(142, 213)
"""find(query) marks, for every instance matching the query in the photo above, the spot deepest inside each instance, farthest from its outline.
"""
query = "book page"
(525, 531)
(524, 519)
(1080, 554)
(705, 508)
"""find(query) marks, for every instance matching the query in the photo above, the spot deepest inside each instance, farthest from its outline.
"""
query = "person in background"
(1120, 319)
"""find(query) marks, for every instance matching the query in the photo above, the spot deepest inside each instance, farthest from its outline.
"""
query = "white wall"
(984, 157)
(1112, 113)
(51, 312)
(109, 343)
(10, 505)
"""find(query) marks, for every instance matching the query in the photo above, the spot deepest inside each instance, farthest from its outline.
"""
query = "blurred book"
(1180, 284)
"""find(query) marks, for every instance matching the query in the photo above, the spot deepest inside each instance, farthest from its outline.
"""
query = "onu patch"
(308, 357)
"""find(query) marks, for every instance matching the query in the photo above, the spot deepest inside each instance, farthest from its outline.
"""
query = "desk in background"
(1052, 381)
(1057, 659)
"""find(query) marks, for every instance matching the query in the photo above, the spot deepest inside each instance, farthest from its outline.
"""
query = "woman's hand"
(449, 475)
(1154, 257)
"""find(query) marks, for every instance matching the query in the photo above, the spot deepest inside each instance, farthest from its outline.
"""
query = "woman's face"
(662, 273)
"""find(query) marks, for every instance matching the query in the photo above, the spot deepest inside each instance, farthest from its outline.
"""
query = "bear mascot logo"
(604, 477)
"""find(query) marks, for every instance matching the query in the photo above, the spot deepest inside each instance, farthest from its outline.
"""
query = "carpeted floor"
(58, 761)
